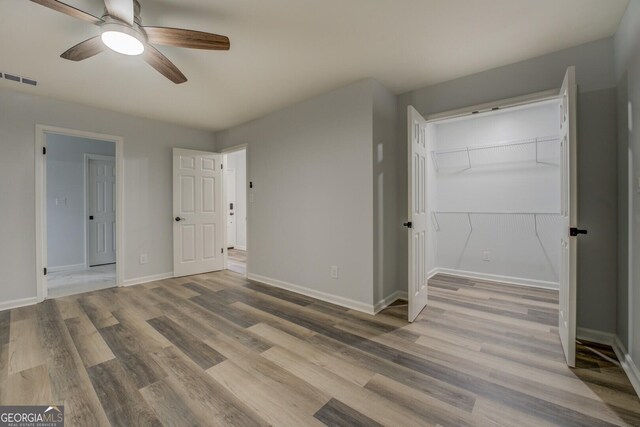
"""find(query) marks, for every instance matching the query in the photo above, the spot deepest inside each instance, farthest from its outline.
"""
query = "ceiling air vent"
(19, 79)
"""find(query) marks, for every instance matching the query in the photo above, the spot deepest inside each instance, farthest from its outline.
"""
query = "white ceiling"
(284, 51)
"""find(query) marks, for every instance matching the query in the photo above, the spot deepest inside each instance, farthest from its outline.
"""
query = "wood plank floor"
(216, 349)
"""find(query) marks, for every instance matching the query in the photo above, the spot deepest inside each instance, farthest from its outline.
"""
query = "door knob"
(91, 217)
(178, 219)
(408, 224)
(573, 231)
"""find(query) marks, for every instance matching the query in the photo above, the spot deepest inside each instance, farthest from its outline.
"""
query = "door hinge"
(221, 166)
(45, 271)
(221, 250)
(44, 150)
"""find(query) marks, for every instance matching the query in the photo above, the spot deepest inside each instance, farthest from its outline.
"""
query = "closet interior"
(494, 189)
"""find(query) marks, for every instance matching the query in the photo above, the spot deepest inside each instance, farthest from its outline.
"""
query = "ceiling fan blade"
(186, 38)
(120, 9)
(69, 10)
(84, 50)
(165, 67)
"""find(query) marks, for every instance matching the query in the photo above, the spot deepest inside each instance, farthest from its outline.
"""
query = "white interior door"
(232, 224)
(569, 204)
(198, 233)
(418, 217)
(102, 212)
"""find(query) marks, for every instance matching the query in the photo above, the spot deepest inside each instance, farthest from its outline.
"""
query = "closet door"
(418, 217)
(569, 203)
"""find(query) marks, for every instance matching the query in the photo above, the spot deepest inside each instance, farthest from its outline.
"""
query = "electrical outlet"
(486, 256)
(334, 271)
(144, 258)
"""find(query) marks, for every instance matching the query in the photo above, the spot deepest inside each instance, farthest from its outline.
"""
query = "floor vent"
(19, 79)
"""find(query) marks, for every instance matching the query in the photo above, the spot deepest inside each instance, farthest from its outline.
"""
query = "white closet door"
(418, 217)
(198, 231)
(102, 212)
(569, 204)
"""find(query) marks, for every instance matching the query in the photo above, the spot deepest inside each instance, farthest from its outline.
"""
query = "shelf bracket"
(434, 218)
(434, 158)
(468, 159)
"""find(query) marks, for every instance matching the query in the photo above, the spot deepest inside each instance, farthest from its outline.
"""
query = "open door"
(569, 204)
(198, 231)
(418, 218)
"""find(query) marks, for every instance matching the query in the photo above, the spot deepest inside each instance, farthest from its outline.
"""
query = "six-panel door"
(198, 212)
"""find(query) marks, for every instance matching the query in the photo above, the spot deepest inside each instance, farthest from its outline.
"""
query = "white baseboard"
(386, 302)
(73, 267)
(498, 278)
(598, 337)
(323, 296)
(629, 366)
(17, 303)
(147, 279)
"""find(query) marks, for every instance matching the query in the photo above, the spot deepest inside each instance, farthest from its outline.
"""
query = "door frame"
(41, 200)
(87, 234)
(224, 153)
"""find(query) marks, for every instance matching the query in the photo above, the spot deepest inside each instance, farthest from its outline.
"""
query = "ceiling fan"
(122, 31)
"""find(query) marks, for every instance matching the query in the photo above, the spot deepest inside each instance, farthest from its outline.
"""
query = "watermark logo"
(31, 416)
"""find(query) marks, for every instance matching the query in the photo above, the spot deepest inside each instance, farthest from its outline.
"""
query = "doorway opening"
(235, 189)
(78, 198)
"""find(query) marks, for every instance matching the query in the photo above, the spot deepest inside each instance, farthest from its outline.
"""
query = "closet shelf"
(514, 143)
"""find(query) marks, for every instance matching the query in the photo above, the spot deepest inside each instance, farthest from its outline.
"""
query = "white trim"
(41, 203)
(323, 296)
(501, 103)
(240, 248)
(629, 366)
(87, 231)
(630, 260)
(17, 303)
(238, 147)
(498, 278)
(74, 267)
(146, 279)
(386, 302)
(598, 337)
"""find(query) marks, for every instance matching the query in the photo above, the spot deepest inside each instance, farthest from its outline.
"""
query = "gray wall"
(148, 182)
(627, 60)
(596, 132)
(311, 168)
(66, 182)
(387, 224)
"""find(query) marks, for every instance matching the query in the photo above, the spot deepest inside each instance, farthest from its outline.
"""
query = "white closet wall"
(495, 193)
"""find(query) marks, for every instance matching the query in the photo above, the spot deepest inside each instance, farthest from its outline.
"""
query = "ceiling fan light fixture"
(122, 39)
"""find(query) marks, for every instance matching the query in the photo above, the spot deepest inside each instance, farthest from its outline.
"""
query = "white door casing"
(418, 212)
(569, 204)
(101, 203)
(230, 200)
(198, 230)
